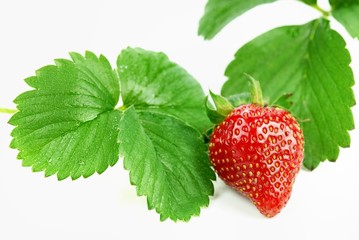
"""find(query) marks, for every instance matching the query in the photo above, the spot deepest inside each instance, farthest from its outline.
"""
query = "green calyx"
(256, 91)
(224, 106)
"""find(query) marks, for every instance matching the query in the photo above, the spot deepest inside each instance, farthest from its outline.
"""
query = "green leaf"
(67, 124)
(160, 139)
(151, 80)
(219, 13)
(168, 163)
(342, 3)
(309, 2)
(311, 62)
(347, 13)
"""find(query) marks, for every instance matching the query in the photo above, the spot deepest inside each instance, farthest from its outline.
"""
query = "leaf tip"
(76, 56)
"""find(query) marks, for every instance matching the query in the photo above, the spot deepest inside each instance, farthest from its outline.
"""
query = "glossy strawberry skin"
(259, 152)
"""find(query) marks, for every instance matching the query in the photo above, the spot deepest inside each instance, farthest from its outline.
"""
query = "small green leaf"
(168, 163)
(67, 124)
(311, 62)
(151, 80)
(218, 13)
(347, 13)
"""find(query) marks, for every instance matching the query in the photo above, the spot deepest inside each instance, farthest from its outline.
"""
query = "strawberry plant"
(82, 115)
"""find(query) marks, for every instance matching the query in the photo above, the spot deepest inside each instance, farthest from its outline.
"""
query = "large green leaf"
(151, 80)
(67, 124)
(311, 62)
(347, 13)
(218, 13)
(160, 139)
(168, 163)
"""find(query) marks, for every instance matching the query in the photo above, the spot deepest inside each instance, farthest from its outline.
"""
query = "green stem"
(8, 111)
(256, 91)
(122, 108)
(324, 13)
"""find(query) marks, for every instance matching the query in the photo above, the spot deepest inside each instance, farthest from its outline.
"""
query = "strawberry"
(258, 151)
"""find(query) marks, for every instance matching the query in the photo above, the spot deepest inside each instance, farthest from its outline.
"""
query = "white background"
(324, 203)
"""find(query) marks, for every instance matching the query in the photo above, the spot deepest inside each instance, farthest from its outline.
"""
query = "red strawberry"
(258, 151)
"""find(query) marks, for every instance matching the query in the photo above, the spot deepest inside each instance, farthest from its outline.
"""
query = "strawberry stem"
(256, 91)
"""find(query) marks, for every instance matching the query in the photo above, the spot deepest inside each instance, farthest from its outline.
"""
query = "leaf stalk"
(325, 14)
(8, 110)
